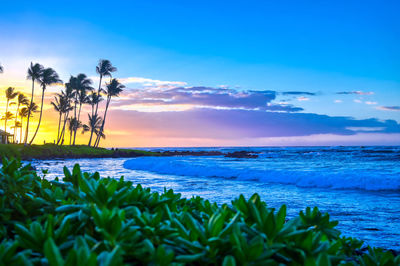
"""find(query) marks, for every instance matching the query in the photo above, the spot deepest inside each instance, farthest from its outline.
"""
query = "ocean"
(358, 186)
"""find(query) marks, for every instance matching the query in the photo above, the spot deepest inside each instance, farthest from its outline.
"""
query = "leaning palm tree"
(62, 105)
(7, 116)
(113, 89)
(22, 114)
(57, 104)
(34, 74)
(93, 126)
(93, 99)
(104, 69)
(10, 95)
(49, 77)
(1, 69)
(32, 108)
(83, 85)
(73, 125)
(21, 100)
(69, 95)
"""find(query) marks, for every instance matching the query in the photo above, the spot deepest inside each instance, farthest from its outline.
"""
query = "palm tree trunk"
(29, 113)
(40, 117)
(59, 124)
(70, 136)
(102, 123)
(20, 130)
(62, 130)
(97, 106)
(16, 117)
(77, 122)
(5, 120)
(91, 131)
(98, 93)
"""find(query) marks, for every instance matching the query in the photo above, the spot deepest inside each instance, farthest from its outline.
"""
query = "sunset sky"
(218, 73)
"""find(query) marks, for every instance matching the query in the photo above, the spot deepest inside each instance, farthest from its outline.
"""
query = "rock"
(241, 154)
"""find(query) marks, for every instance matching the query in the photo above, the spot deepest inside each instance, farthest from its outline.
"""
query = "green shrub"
(87, 220)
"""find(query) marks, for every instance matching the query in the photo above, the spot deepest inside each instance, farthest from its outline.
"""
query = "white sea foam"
(261, 170)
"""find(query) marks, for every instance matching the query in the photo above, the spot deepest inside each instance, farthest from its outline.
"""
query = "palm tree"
(7, 116)
(93, 126)
(31, 108)
(104, 69)
(62, 105)
(113, 89)
(21, 100)
(22, 114)
(93, 100)
(57, 104)
(10, 95)
(83, 85)
(73, 125)
(69, 95)
(34, 74)
(49, 77)
(1, 69)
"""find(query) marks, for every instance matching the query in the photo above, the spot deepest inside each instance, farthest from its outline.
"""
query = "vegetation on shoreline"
(83, 219)
(52, 151)
(68, 104)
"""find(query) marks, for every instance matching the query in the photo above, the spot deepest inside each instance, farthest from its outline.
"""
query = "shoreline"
(52, 151)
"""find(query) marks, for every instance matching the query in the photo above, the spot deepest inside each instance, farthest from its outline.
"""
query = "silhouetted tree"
(93, 126)
(113, 89)
(21, 100)
(82, 86)
(10, 95)
(34, 74)
(104, 69)
(48, 77)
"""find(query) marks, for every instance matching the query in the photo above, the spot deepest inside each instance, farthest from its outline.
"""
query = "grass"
(50, 151)
(82, 219)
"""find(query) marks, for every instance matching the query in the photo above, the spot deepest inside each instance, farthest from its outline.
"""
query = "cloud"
(195, 97)
(366, 129)
(337, 101)
(389, 108)
(151, 82)
(357, 101)
(370, 103)
(302, 98)
(147, 82)
(233, 124)
(356, 92)
(298, 93)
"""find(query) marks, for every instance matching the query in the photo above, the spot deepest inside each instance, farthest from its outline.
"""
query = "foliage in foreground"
(85, 220)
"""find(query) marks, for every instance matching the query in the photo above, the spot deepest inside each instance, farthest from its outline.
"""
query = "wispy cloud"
(370, 103)
(337, 101)
(389, 108)
(302, 98)
(298, 93)
(356, 92)
(147, 82)
(151, 82)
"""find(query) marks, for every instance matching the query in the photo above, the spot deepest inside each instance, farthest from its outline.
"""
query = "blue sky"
(318, 47)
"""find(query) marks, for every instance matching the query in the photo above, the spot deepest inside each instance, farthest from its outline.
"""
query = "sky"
(218, 73)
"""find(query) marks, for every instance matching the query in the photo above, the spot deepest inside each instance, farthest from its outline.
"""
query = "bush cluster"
(83, 219)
